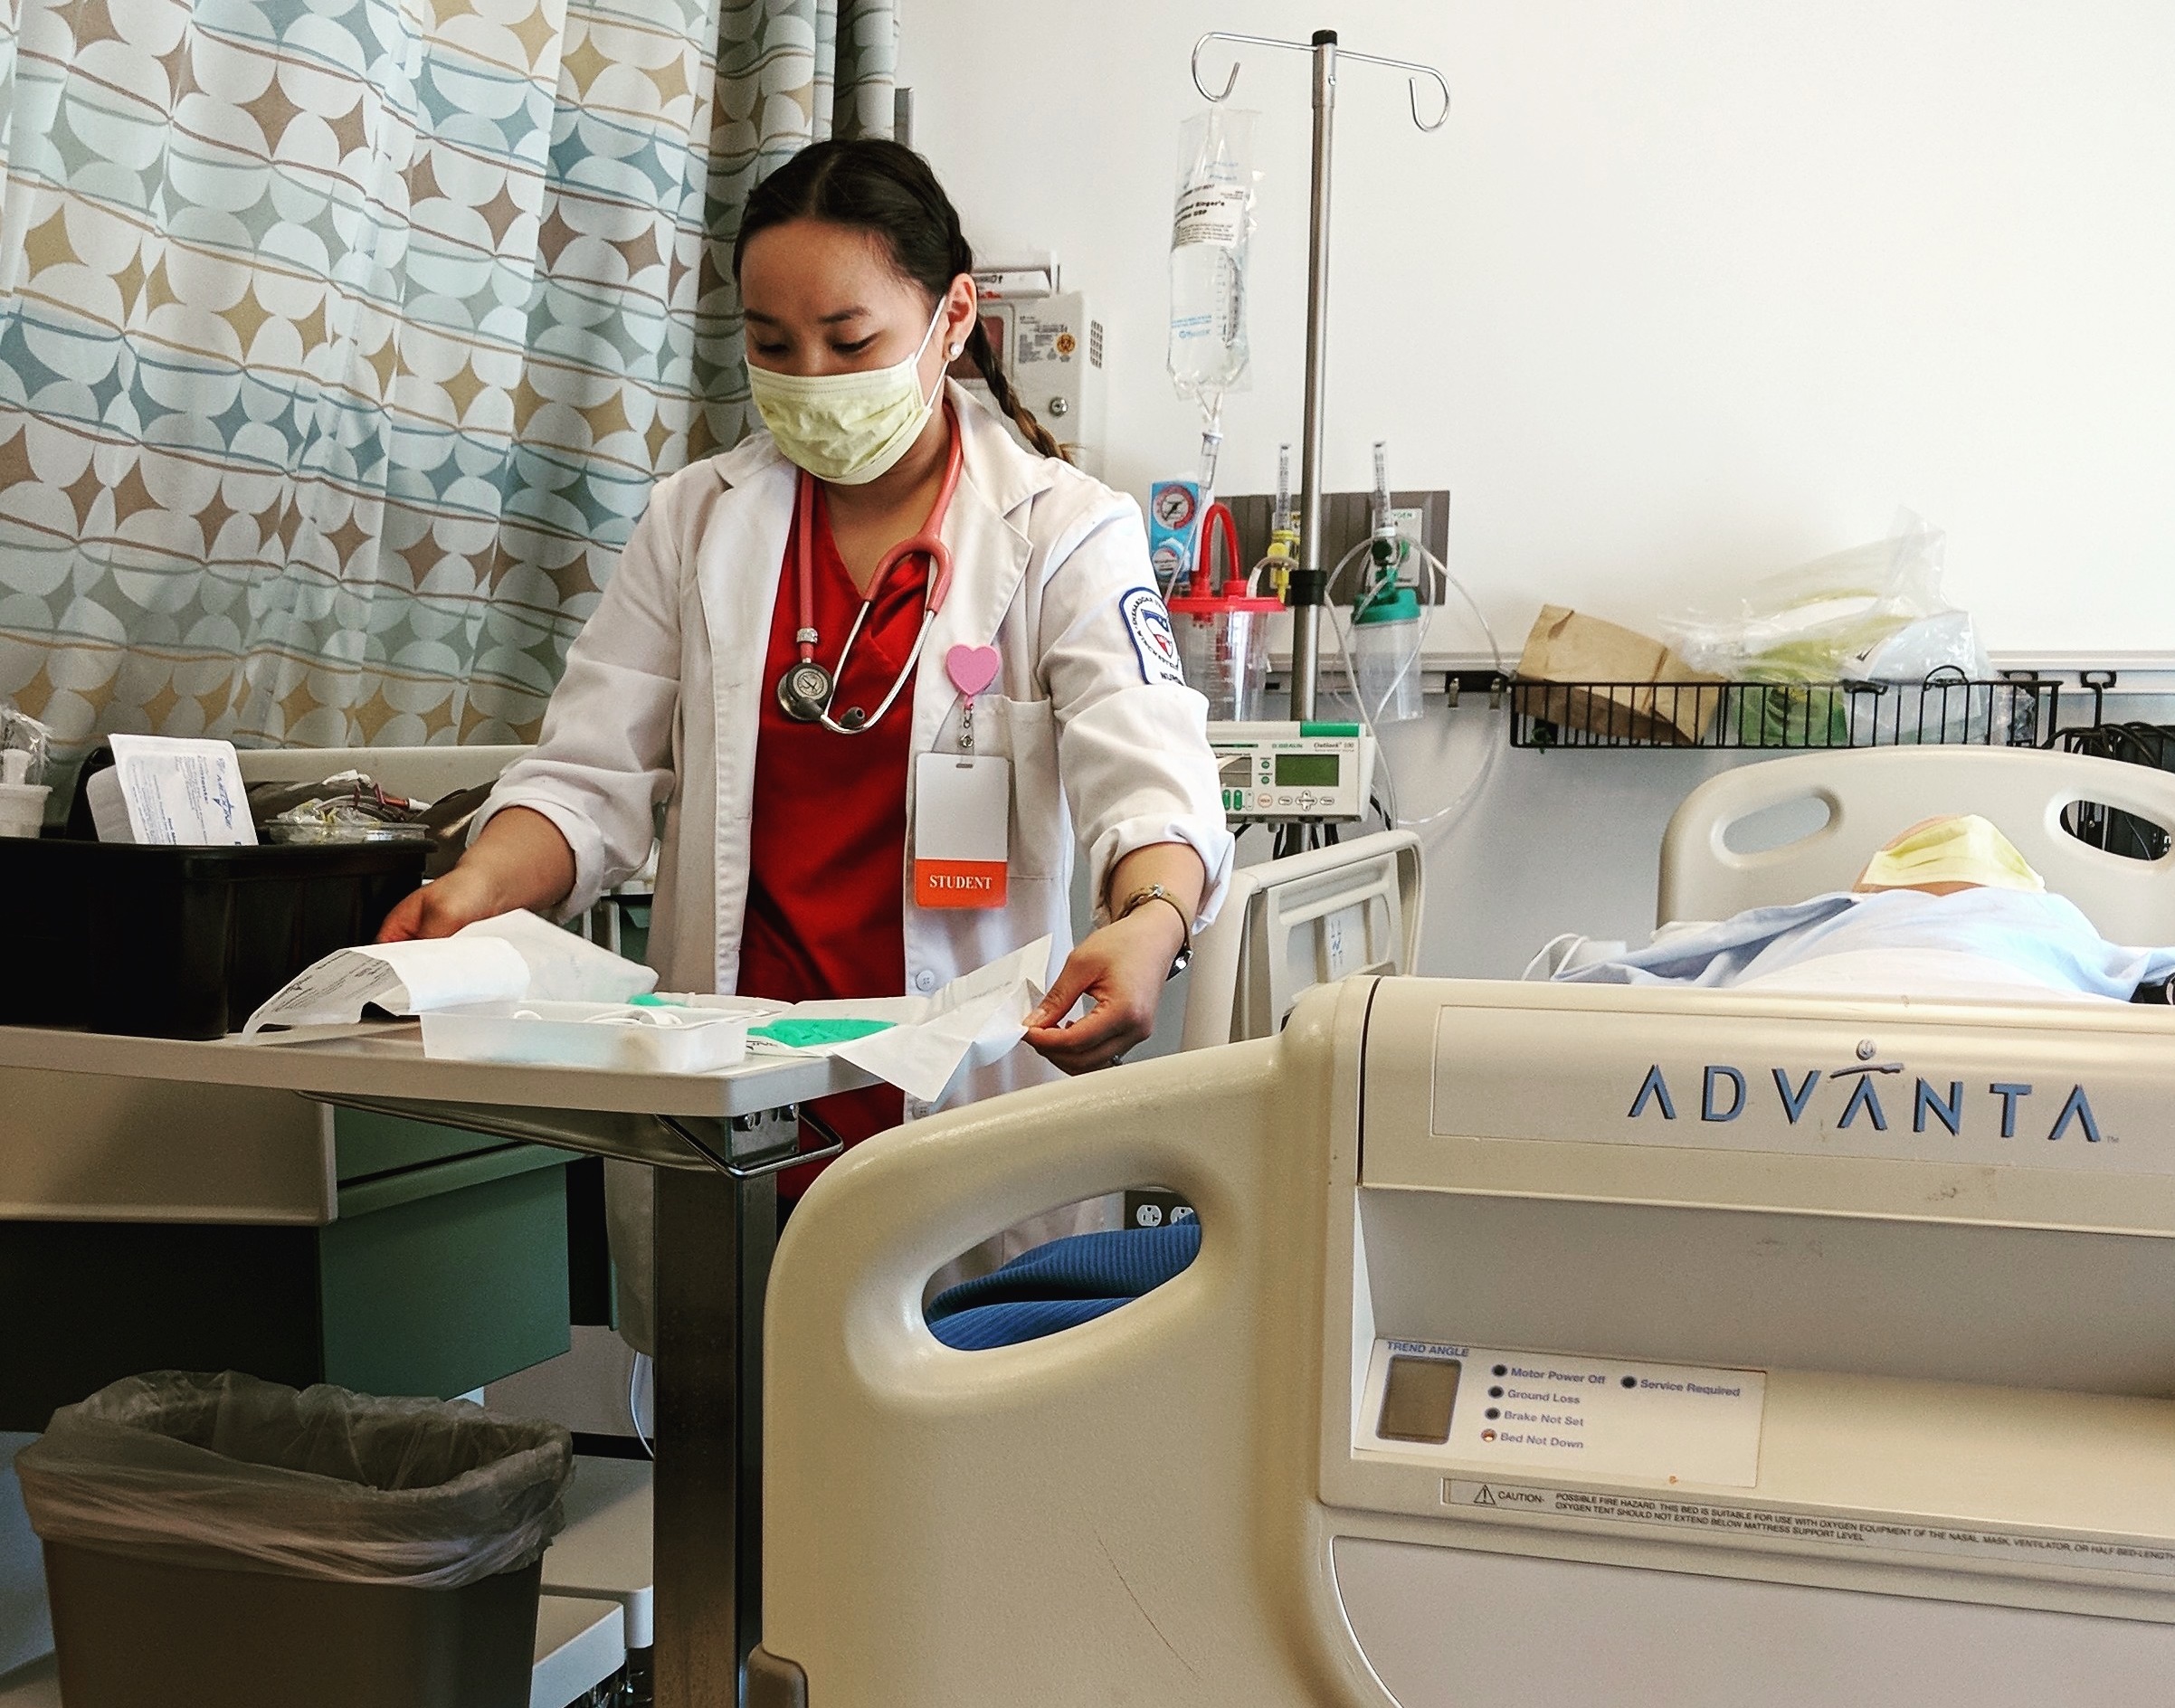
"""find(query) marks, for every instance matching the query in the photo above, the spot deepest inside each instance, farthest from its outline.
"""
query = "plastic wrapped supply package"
(218, 1539)
(350, 809)
(23, 745)
(1873, 613)
(345, 810)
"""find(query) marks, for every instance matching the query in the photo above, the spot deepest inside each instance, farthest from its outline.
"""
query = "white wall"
(1686, 290)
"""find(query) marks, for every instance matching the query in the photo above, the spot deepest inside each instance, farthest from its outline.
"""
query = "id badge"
(962, 829)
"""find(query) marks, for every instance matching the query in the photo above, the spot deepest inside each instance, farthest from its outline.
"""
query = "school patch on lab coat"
(1149, 624)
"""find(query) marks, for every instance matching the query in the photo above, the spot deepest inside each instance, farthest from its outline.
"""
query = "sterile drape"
(341, 340)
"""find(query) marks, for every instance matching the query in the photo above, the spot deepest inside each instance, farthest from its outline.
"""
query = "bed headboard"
(1873, 794)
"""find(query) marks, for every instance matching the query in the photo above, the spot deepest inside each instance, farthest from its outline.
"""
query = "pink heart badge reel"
(972, 669)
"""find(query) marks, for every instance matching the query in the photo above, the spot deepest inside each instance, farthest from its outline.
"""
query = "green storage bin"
(445, 1269)
(438, 1280)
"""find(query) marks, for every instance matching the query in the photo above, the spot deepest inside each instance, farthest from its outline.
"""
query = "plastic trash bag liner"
(229, 1472)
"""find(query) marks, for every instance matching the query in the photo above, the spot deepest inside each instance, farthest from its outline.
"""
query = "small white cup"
(21, 808)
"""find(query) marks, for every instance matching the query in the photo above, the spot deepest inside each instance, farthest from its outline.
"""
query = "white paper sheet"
(402, 978)
(516, 957)
(976, 1020)
(562, 967)
(972, 1021)
(108, 807)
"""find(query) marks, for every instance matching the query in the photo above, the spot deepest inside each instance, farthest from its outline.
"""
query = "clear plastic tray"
(626, 1037)
(282, 833)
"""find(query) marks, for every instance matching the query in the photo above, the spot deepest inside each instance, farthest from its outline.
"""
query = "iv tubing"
(1456, 807)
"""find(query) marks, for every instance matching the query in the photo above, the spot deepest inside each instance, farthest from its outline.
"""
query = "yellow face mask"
(1960, 852)
(847, 428)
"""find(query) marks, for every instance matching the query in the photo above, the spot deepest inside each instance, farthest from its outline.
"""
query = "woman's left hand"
(1122, 967)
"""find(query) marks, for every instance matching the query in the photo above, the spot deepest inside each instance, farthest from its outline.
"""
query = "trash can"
(218, 1542)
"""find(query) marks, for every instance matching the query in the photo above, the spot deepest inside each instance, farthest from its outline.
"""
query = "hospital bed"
(1286, 926)
(1496, 1380)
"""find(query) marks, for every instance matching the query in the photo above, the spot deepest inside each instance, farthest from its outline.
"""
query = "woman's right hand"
(519, 861)
(439, 909)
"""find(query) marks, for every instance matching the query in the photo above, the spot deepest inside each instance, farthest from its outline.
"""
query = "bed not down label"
(1799, 1527)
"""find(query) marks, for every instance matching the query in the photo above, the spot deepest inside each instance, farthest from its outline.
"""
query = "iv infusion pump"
(1280, 773)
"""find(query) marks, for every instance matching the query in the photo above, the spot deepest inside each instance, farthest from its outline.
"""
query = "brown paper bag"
(1616, 684)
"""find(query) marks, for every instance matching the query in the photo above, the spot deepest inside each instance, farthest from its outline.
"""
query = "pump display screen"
(1307, 771)
(1417, 1395)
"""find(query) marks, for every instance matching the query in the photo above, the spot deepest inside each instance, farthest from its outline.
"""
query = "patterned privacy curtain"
(775, 94)
(341, 340)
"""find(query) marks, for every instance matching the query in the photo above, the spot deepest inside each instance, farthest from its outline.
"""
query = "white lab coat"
(663, 691)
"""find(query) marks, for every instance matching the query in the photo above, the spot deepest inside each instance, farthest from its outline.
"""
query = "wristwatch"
(1157, 892)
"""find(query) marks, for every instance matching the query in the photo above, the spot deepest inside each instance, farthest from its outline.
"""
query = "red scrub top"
(826, 895)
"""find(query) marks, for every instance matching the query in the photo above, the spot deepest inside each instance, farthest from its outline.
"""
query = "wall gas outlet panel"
(1050, 346)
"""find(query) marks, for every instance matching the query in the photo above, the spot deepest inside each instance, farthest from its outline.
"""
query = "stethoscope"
(806, 690)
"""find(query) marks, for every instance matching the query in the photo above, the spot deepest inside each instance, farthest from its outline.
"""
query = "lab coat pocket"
(1027, 732)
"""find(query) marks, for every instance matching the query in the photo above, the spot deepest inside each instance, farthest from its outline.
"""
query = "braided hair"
(884, 188)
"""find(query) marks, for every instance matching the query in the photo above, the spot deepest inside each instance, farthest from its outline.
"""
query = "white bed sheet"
(1978, 943)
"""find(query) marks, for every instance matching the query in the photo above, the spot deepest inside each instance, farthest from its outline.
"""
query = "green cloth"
(793, 1034)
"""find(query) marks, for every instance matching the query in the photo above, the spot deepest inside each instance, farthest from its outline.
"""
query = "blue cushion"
(1061, 1284)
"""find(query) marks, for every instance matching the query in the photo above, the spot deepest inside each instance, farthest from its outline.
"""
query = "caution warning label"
(2023, 1549)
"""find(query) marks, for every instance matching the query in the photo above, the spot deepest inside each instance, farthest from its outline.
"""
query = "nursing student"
(806, 635)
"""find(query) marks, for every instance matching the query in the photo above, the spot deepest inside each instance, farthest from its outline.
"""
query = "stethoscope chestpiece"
(805, 692)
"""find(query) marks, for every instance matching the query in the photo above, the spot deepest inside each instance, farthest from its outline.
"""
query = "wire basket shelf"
(1776, 716)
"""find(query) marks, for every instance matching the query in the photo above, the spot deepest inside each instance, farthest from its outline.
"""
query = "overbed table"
(718, 1142)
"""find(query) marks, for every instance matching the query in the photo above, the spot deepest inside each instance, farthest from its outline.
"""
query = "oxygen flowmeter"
(1387, 625)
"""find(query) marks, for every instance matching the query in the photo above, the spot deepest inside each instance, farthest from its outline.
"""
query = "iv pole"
(1309, 582)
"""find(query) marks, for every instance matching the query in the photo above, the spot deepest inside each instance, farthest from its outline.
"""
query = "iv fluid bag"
(1210, 224)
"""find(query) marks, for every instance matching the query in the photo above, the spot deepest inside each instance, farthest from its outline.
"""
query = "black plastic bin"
(181, 942)
(216, 1542)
